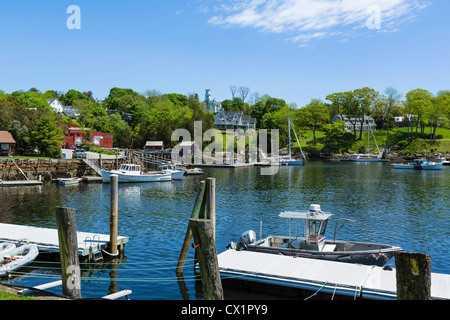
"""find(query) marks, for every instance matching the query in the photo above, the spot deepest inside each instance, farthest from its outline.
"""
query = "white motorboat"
(133, 173)
(194, 171)
(177, 174)
(66, 181)
(419, 164)
(17, 258)
(314, 245)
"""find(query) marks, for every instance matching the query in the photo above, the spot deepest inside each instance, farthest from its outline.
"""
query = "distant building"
(368, 123)
(67, 111)
(212, 105)
(7, 144)
(233, 120)
(154, 146)
(56, 105)
(76, 135)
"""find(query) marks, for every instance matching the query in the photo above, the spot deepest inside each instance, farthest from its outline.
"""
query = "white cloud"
(305, 20)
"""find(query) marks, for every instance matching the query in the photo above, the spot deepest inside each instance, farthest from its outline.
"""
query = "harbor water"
(407, 208)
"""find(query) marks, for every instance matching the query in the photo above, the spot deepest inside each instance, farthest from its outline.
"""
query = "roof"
(6, 137)
(154, 143)
(318, 215)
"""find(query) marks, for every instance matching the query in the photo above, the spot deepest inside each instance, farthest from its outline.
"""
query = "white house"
(56, 105)
(368, 123)
(233, 120)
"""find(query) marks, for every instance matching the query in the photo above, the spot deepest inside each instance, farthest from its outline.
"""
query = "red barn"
(75, 135)
(7, 144)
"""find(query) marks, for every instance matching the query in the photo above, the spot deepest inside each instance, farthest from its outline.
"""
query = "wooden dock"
(47, 239)
(20, 183)
(337, 278)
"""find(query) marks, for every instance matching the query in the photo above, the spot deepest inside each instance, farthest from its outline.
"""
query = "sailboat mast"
(289, 140)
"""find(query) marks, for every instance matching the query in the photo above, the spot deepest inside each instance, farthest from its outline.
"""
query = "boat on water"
(365, 158)
(194, 171)
(368, 157)
(176, 173)
(419, 164)
(6, 248)
(288, 160)
(66, 181)
(314, 245)
(444, 161)
(133, 173)
(17, 258)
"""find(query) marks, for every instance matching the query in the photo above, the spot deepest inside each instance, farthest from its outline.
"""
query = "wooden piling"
(211, 203)
(114, 213)
(202, 232)
(68, 248)
(197, 211)
(413, 272)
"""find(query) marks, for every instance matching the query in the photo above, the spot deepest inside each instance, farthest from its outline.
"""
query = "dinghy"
(6, 248)
(17, 258)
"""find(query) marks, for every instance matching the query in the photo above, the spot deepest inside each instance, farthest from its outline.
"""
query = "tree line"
(154, 116)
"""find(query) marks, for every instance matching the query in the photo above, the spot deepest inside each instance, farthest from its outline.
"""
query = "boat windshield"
(317, 227)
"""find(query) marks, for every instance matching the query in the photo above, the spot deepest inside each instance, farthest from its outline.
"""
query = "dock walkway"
(354, 280)
(47, 239)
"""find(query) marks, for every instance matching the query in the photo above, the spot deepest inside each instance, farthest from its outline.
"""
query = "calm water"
(405, 208)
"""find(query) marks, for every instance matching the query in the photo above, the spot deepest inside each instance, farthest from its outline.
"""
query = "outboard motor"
(247, 237)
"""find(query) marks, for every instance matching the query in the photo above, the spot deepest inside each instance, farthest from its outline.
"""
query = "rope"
(316, 291)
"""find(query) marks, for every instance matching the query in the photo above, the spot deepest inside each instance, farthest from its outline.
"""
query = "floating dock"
(20, 183)
(47, 239)
(336, 278)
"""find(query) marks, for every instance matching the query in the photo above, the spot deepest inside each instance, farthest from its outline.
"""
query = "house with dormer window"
(233, 120)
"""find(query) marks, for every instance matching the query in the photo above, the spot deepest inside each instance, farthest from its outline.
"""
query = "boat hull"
(413, 166)
(355, 252)
(292, 162)
(106, 177)
(366, 160)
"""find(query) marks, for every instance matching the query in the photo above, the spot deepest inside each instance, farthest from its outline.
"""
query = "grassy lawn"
(11, 296)
(417, 146)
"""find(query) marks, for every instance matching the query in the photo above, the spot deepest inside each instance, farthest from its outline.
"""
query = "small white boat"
(6, 248)
(314, 245)
(365, 158)
(66, 181)
(419, 164)
(194, 171)
(133, 173)
(17, 258)
(177, 174)
(444, 161)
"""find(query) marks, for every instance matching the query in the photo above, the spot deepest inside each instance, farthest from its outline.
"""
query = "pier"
(47, 239)
(335, 278)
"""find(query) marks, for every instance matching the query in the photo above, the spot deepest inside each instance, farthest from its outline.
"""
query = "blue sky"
(295, 50)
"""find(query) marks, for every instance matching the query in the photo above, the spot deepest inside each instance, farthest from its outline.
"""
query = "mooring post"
(196, 213)
(202, 232)
(413, 272)
(114, 213)
(68, 249)
(211, 203)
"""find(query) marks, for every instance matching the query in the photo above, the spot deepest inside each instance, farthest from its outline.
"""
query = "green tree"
(365, 97)
(437, 112)
(48, 136)
(417, 102)
(315, 116)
